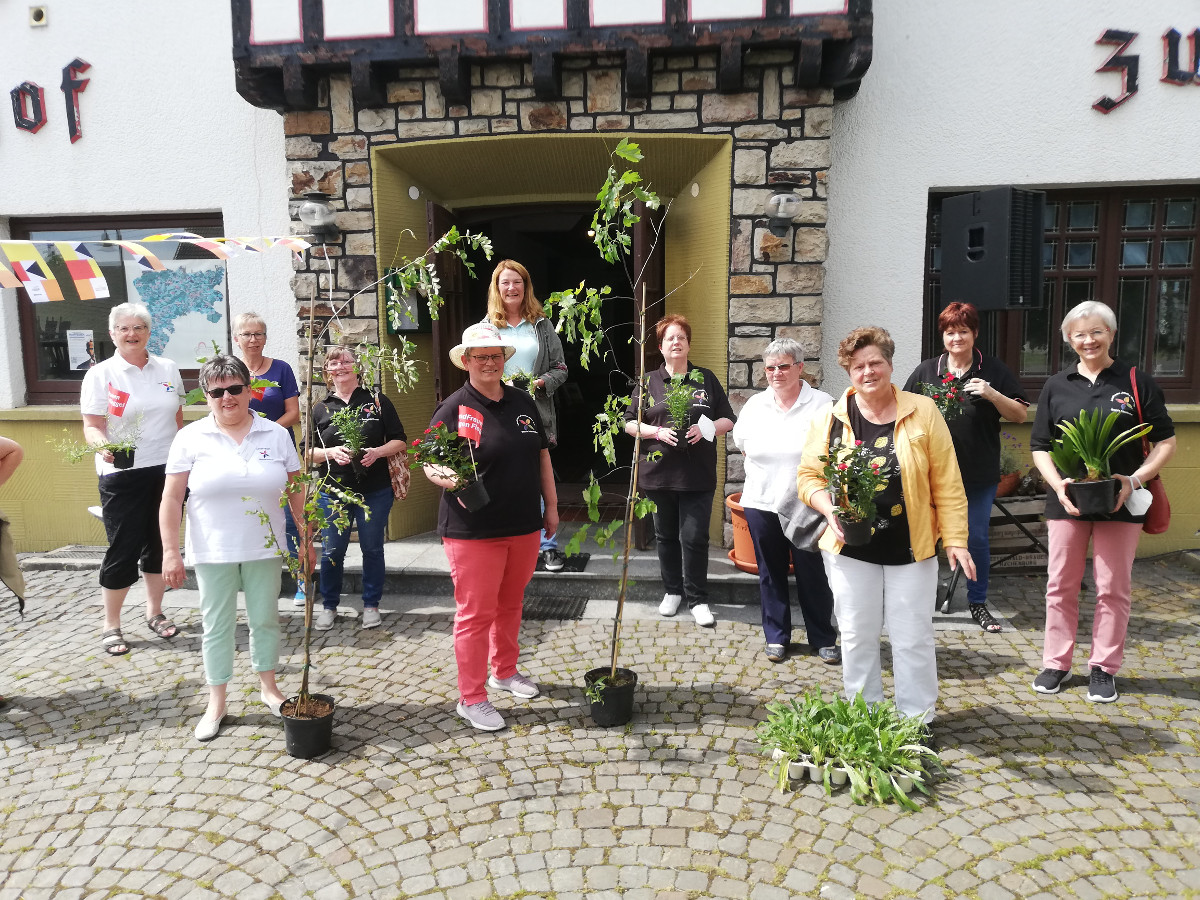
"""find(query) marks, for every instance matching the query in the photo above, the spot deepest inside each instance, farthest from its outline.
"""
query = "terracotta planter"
(742, 554)
(1093, 497)
(1008, 484)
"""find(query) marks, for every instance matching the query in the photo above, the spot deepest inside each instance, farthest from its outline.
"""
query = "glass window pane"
(1180, 214)
(1177, 253)
(1035, 336)
(1082, 216)
(935, 259)
(1135, 254)
(1170, 339)
(1050, 217)
(1132, 298)
(1049, 254)
(1139, 214)
(1081, 254)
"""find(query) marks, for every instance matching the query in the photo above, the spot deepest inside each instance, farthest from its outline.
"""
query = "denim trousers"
(681, 536)
(370, 541)
(490, 576)
(979, 520)
(773, 551)
(219, 584)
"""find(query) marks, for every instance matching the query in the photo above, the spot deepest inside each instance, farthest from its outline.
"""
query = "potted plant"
(452, 456)
(122, 444)
(349, 425)
(948, 396)
(678, 400)
(1083, 454)
(853, 474)
(1012, 468)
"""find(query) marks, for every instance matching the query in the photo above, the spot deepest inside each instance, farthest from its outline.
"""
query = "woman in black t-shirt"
(367, 476)
(680, 469)
(993, 394)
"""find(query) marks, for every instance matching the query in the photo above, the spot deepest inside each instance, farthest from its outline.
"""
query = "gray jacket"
(551, 366)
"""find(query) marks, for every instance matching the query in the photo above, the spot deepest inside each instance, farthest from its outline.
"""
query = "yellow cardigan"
(933, 489)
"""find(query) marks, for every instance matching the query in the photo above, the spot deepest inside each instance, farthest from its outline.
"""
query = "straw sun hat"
(482, 334)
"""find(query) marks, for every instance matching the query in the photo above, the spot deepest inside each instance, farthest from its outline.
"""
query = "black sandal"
(981, 614)
(112, 639)
(162, 626)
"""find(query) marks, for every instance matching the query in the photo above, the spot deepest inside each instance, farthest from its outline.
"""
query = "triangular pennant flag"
(140, 254)
(213, 248)
(89, 281)
(8, 279)
(171, 236)
(32, 270)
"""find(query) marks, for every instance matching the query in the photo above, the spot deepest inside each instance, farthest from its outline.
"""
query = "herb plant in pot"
(349, 425)
(853, 475)
(1083, 454)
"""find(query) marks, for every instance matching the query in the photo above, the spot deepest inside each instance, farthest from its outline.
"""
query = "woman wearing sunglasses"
(236, 465)
(132, 395)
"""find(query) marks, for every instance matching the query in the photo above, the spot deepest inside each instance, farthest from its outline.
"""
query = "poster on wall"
(188, 302)
(81, 349)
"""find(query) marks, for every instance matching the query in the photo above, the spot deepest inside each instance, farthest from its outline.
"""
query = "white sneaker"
(518, 685)
(670, 604)
(703, 615)
(370, 617)
(299, 600)
(482, 716)
(325, 619)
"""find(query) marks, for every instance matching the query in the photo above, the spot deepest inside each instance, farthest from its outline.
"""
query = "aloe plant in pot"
(1084, 452)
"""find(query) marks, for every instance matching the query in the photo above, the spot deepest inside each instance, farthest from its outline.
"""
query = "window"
(57, 337)
(1132, 248)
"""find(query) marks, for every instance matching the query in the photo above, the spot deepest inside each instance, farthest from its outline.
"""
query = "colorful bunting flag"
(31, 269)
(140, 254)
(8, 279)
(89, 280)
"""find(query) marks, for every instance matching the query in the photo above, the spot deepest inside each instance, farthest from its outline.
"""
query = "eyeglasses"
(488, 357)
(256, 335)
(782, 368)
(233, 390)
(1095, 335)
(339, 364)
(128, 329)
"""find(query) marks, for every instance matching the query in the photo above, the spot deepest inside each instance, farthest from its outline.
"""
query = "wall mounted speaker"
(992, 249)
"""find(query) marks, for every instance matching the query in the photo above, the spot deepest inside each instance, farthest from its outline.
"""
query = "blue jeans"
(290, 531)
(370, 541)
(546, 543)
(979, 520)
(773, 551)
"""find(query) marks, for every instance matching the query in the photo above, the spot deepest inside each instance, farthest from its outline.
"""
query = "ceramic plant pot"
(1008, 484)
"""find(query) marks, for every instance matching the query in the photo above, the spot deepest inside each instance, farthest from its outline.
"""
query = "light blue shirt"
(524, 338)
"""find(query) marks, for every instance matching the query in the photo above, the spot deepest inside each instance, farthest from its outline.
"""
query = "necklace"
(264, 368)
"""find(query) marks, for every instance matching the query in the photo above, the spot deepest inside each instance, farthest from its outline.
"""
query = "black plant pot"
(309, 738)
(1093, 497)
(474, 496)
(356, 464)
(123, 459)
(856, 534)
(615, 706)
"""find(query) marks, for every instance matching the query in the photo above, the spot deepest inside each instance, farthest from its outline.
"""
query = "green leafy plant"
(1013, 455)
(523, 380)
(948, 396)
(594, 692)
(1085, 449)
(445, 450)
(122, 438)
(679, 395)
(349, 424)
(853, 476)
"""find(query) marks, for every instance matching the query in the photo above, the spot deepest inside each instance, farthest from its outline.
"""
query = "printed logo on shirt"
(700, 397)
(371, 411)
(1122, 401)
(525, 423)
(170, 388)
(263, 453)
(117, 399)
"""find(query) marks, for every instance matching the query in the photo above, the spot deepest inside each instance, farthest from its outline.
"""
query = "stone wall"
(780, 133)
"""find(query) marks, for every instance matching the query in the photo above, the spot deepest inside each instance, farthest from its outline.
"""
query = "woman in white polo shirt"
(133, 395)
(236, 464)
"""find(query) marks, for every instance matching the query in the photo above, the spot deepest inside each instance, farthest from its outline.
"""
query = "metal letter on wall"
(72, 87)
(29, 107)
(1127, 65)
(1172, 72)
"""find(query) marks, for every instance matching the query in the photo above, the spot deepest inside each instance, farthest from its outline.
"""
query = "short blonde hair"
(241, 320)
(868, 336)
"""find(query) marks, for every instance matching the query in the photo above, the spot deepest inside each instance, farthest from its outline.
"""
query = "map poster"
(81, 352)
(189, 305)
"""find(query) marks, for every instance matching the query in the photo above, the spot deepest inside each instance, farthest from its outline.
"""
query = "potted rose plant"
(853, 474)
(948, 396)
(451, 455)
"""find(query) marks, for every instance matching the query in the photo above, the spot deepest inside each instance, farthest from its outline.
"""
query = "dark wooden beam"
(808, 62)
(366, 85)
(729, 71)
(299, 84)
(454, 76)
(637, 72)
(547, 75)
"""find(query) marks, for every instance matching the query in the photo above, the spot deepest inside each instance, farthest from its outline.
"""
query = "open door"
(451, 321)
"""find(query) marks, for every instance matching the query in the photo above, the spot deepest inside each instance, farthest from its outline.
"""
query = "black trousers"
(130, 500)
(681, 533)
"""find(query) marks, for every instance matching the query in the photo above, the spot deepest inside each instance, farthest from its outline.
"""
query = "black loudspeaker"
(992, 249)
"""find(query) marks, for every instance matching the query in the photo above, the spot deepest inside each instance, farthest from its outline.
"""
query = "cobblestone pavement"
(104, 792)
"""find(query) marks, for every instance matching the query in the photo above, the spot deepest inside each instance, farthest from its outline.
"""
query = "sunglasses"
(233, 390)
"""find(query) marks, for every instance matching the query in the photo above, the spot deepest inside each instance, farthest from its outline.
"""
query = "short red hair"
(959, 315)
(660, 329)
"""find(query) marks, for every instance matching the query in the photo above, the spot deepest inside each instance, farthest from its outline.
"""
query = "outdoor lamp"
(782, 206)
(317, 214)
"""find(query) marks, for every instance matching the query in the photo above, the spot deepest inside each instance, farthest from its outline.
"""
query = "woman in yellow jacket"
(893, 577)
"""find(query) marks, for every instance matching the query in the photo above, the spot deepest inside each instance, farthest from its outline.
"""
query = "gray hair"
(223, 367)
(121, 310)
(1086, 310)
(785, 347)
(241, 320)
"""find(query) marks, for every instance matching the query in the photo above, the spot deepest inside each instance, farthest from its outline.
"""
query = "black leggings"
(130, 500)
